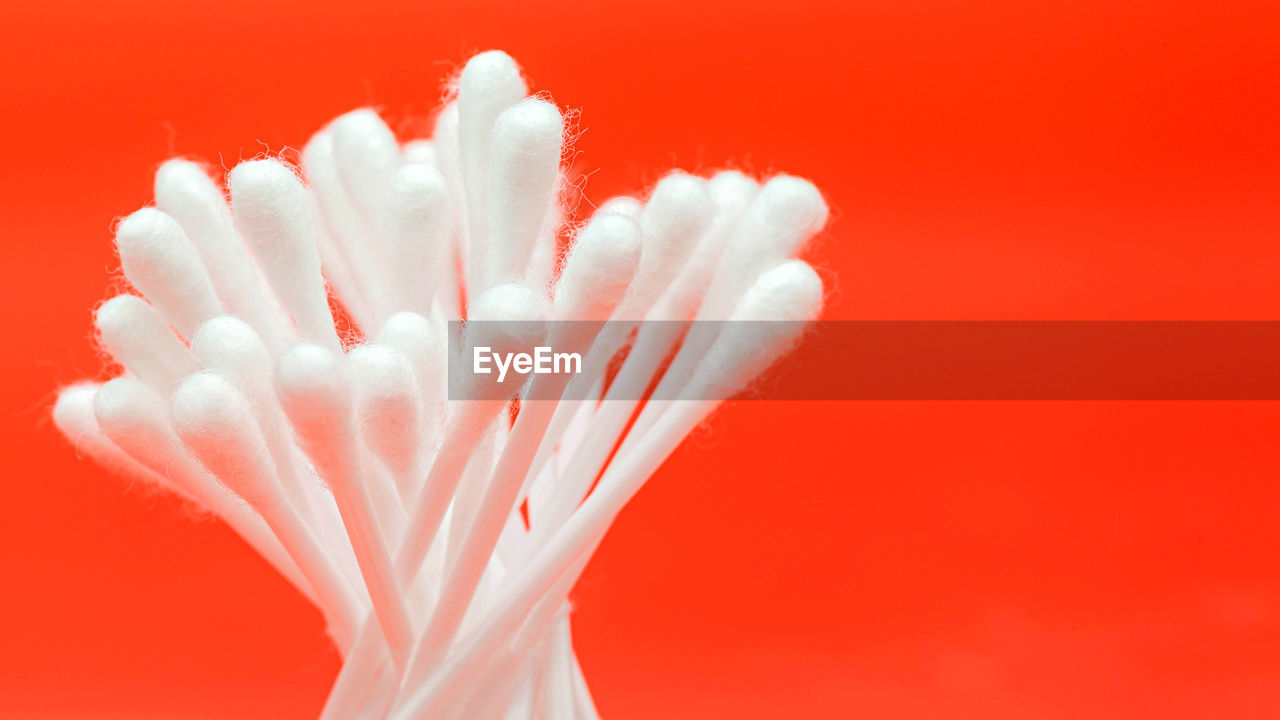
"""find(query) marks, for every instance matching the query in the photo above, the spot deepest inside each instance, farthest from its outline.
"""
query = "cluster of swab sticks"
(439, 535)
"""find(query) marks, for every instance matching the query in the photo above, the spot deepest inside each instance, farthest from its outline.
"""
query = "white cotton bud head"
(766, 323)
(789, 292)
(160, 261)
(787, 212)
(423, 343)
(387, 403)
(230, 346)
(273, 212)
(140, 340)
(367, 156)
(269, 203)
(184, 185)
(413, 335)
(215, 422)
(73, 411)
(420, 214)
(732, 191)
(125, 405)
(509, 318)
(419, 151)
(490, 80)
(599, 268)
(524, 165)
(73, 416)
(312, 384)
(621, 205)
(673, 221)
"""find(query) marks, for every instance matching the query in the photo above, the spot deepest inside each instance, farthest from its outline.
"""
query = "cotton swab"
(420, 221)
(524, 163)
(388, 407)
(135, 418)
(215, 422)
(232, 348)
(342, 234)
(160, 261)
(489, 83)
(313, 388)
(423, 343)
(73, 414)
(140, 340)
(367, 157)
(273, 213)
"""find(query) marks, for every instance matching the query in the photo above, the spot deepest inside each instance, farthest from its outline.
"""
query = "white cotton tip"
(599, 269)
(423, 343)
(312, 383)
(766, 323)
(509, 318)
(621, 205)
(524, 165)
(129, 411)
(489, 83)
(161, 262)
(413, 335)
(217, 424)
(787, 212)
(732, 191)
(510, 302)
(673, 221)
(141, 341)
(314, 389)
(73, 411)
(186, 192)
(387, 404)
(419, 151)
(419, 237)
(789, 292)
(136, 419)
(230, 346)
(73, 415)
(368, 156)
(273, 212)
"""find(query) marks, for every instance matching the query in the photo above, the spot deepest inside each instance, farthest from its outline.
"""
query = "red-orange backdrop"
(993, 160)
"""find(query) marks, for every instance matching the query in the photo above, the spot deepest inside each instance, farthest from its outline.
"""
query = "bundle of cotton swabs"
(439, 534)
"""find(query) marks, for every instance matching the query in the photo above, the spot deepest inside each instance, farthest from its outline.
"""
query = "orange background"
(993, 160)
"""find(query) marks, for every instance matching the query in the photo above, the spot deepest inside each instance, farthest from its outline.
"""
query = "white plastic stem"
(318, 401)
(549, 567)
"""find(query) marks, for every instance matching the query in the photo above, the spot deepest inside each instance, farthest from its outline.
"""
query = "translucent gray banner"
(942, 360)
